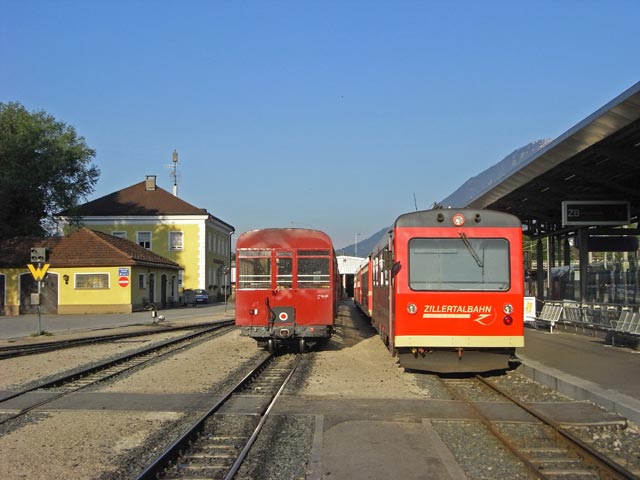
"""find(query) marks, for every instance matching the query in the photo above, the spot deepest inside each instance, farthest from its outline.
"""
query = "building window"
(175, 240)
(142, 281)
(92, 280)
(119, 234)
(144, 239)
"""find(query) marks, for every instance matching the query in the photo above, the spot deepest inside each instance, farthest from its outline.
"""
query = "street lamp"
(356, 249)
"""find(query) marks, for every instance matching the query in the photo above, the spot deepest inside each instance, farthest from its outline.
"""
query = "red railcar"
(445, 290)
(287, 287)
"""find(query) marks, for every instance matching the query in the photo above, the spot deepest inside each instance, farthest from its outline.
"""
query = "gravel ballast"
(353, 367)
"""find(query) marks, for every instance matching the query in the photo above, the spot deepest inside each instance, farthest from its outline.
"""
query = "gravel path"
(87, 444)
(22, 370)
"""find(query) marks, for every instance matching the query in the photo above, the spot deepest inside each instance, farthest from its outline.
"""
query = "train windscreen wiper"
(473, 253)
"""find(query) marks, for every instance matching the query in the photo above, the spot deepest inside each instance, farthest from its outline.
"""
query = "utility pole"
(174, 173)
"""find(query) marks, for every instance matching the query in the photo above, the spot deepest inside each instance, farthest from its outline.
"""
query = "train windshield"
(460, 263)
(313, 272)
(254, 269)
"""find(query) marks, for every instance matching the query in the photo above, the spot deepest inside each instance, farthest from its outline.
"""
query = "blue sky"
(324, 114)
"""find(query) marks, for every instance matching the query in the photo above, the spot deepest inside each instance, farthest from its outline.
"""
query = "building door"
(48, 297)
(2, 294)
(163, 290)
(152, 288)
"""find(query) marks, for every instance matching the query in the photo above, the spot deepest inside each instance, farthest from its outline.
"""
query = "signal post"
(38, 257)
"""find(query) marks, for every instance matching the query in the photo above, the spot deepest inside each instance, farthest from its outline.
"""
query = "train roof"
(429, 218)
(284, 238)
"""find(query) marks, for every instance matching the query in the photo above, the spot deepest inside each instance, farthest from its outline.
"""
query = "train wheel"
(271, 346)
(301, 345)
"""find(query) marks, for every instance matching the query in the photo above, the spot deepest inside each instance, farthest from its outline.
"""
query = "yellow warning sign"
(38, 273)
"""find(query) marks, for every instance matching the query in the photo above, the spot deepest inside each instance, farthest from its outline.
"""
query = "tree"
(45, 167)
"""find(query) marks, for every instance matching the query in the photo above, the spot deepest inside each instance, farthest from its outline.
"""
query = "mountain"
(364, 247)
(467, 192)
(493, 175)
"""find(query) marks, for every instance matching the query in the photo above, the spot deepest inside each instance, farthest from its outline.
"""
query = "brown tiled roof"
(136, 200)
(83, 248)
(16, 252)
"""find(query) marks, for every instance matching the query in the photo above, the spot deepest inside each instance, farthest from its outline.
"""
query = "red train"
(445, 290)
(287, 287)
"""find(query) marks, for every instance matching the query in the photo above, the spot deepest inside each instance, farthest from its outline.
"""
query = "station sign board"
(598, 212)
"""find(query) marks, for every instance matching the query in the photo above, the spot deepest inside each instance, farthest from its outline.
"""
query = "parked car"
(194, 296)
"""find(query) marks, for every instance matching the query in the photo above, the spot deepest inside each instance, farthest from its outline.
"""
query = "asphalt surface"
(50, 327)
(585, 368)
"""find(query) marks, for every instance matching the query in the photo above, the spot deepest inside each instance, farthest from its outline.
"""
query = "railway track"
(78, 380)
(216, 445)
(546, 448)
(44, 347)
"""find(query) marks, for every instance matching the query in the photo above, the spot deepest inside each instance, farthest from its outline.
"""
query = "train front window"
(460, 263)
(254, 271)
(313, 272)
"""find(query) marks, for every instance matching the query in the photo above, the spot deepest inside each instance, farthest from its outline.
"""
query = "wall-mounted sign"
(587, 212)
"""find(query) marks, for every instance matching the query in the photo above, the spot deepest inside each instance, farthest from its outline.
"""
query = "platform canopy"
(596, 160)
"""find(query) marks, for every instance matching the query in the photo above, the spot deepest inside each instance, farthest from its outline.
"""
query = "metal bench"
(549, 315)
(626, 329)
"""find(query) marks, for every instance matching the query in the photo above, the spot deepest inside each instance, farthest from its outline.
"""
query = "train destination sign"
(587, 212)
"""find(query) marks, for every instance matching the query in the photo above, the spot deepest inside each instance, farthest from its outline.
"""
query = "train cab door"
(388, 280)
(284, 270)
(283, 307)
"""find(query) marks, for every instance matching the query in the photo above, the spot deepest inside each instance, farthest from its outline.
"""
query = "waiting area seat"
(620, 324)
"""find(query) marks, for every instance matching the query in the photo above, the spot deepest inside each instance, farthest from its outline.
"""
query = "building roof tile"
(83, 248)
(136, 200)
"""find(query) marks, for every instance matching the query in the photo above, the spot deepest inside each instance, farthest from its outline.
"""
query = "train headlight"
(508, 309)
(412, 309)
(507, 320)
(458, 219)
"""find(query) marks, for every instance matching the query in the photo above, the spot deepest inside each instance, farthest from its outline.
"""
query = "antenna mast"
(174, 173)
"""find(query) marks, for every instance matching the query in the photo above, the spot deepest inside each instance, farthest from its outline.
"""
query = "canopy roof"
(598, 159)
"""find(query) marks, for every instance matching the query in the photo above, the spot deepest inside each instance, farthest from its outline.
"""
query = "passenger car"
(288, 286)
(445, 290)
(197, 295)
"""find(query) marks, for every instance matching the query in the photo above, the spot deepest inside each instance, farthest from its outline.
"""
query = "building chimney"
(150, 183)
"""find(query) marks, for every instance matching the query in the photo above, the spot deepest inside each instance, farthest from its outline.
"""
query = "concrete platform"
(584, 368)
